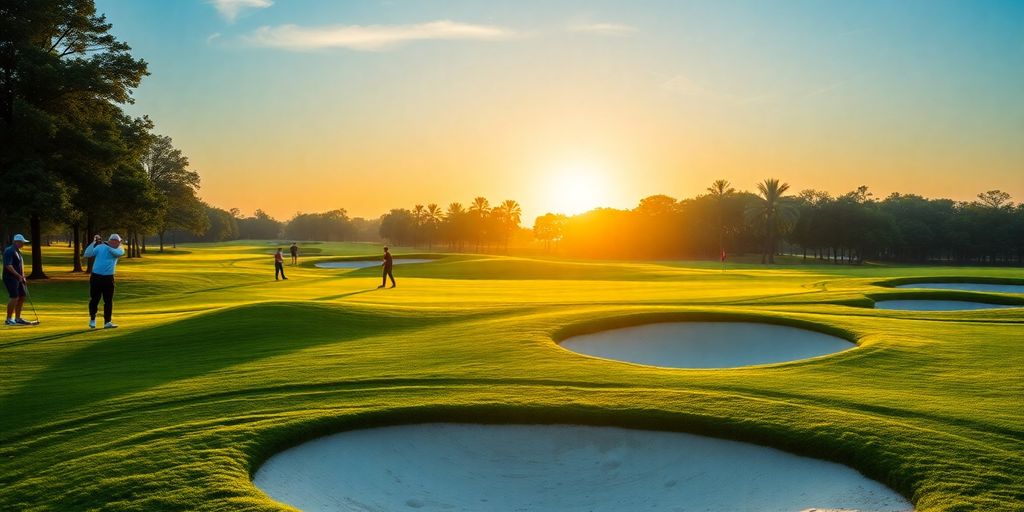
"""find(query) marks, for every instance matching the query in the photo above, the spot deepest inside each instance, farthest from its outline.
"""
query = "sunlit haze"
(564, 106)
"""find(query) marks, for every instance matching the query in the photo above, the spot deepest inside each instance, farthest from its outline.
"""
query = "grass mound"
(217, 366)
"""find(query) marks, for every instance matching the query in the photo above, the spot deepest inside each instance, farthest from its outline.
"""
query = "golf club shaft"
(30, 303)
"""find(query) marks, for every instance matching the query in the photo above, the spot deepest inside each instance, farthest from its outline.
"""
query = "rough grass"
(217, 366)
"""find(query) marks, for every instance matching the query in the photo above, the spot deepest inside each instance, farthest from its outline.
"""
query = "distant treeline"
(849, 228)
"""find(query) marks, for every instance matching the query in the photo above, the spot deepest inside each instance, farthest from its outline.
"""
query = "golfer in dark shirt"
(14, 281)
(295, 253)
(388, 263)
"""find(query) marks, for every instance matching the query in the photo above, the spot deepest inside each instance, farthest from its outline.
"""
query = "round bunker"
(971, 287)
(367, 263)
(706, 344)
(563, 468)
(936, 305)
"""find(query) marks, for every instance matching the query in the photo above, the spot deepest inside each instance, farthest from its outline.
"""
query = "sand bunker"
(971, 287)
(458, 467)
(936, 305)
(706, 344)
(367, 263)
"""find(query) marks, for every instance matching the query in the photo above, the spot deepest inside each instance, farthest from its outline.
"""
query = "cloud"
(372, 37)
(230, 9)
(603, 29)
(212, 37)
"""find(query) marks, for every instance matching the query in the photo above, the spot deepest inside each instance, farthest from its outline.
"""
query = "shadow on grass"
(135, 361)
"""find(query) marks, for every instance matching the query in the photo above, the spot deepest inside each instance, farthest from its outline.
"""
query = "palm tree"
(454, 223)
(509, 215)
(774, 211)
(721, 189)
(433, 217)
(418, 214)
(479, 209)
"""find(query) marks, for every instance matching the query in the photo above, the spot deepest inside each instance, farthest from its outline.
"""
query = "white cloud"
(212, 37)
(603, 29)
(230, 9)
(372, 37)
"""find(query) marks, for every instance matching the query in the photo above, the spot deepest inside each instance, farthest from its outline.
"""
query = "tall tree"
(168, 169)
(720, 190)
(509, 215)
(54, 56)
(433, 217)
(478, 211)
(455, 225)
(773, 213)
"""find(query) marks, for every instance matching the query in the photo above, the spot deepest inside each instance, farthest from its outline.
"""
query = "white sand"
(497, 468)
(367, 263)
(936, 305)
(973, 287)
(706, 344)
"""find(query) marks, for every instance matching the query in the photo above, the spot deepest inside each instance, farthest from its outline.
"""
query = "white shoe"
(92, 323)
(109, 325)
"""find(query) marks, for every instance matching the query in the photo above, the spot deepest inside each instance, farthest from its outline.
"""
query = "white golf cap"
(114, 236)
(20, 238)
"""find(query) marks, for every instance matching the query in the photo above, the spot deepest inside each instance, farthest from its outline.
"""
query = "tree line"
(457, 227)
(849, 228)
(69, 152)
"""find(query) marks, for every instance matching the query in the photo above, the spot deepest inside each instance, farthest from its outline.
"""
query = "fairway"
(216, 367)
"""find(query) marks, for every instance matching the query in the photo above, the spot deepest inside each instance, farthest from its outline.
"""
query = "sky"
(565, 105)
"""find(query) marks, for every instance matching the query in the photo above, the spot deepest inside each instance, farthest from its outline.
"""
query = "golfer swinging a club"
(14, 281)
(101, 283)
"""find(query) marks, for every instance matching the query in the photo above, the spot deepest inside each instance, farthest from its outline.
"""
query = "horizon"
(375, 106)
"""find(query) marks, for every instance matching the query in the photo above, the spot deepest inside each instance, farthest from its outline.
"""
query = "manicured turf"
(217, 366)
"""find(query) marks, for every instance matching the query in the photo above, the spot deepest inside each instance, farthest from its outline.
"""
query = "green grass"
(217, 366)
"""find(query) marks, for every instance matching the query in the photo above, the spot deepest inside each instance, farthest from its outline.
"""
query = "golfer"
(14, 281)
(279, 265)
(388, 263)
(101, 283)
(295, 253)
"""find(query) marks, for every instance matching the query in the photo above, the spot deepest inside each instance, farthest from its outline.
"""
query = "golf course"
(216, 367)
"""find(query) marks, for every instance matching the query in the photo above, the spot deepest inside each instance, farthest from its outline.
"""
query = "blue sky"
(325, 99)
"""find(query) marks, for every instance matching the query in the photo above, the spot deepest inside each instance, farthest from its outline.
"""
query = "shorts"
(15, 288)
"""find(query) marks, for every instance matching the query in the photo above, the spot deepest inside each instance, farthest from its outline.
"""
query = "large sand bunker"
(557, 468)
(706, 344)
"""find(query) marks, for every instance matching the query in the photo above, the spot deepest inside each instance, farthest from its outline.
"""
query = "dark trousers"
(101, 286)
(387, 274)
(279, 270)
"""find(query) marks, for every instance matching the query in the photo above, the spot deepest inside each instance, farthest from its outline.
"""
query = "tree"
(55, 57)
(773, 213)
(995, 199)
(179, 206)
(549, 228)
(478, 211)
(433, 217)
(455, 225)
(720, 190)
(398, 226)
(508, 215)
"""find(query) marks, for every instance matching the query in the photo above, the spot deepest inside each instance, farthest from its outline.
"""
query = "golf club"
(29, 297)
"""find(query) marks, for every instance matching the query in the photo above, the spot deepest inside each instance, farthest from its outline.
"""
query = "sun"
(576, 188)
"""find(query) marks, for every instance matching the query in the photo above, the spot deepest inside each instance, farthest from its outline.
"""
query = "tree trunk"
(161, 235)
(76, 259)
(37, 249)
